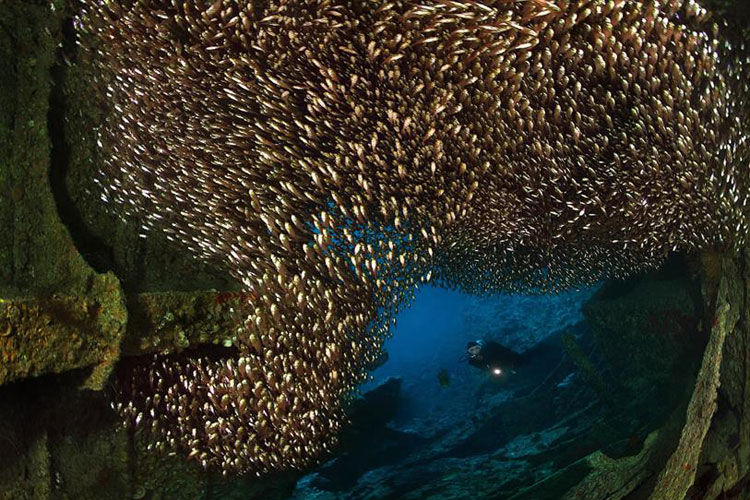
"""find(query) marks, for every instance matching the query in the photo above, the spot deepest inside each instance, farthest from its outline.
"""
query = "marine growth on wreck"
(335, 155)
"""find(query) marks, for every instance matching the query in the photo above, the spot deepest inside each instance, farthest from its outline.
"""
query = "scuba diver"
(493, 358)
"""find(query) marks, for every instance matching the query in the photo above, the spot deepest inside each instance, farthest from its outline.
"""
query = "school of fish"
(337, 153)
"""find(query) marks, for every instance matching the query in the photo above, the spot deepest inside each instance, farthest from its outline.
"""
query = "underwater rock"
(711, 455)
(377, 406)
(500, 448)
(521, 320)
(367, 442)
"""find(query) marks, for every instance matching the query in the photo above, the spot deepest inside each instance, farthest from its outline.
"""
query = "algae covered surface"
(7, 111)
(59, 333)
(37, 253)
(47, 289)
(61, 306)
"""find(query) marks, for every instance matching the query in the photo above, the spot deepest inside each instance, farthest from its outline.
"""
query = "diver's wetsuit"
(495, 356)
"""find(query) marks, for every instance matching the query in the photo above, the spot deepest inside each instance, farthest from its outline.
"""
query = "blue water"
(432, 334)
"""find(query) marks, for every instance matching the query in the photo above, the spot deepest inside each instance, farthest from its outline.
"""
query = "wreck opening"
(610, 372)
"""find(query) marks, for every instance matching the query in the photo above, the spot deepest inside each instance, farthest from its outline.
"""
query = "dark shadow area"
(37, 414)
(8, 192)
(368, 442)
(97, 253)
(210, 352)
